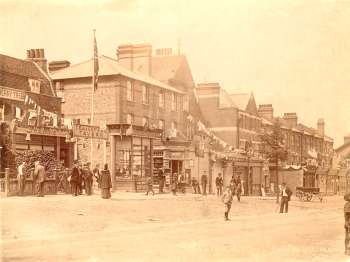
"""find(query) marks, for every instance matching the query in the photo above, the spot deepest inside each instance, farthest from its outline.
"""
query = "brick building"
(30, 106)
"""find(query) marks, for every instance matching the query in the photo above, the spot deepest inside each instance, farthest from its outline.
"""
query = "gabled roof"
(15, 73)
(107, 66)
(245, 102)
(172, 69)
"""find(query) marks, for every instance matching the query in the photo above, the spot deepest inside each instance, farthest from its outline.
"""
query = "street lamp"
(28, 140)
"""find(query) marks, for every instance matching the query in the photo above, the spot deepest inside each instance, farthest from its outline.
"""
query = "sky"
(294, 54)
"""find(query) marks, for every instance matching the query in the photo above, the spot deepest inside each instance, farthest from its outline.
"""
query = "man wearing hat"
(286, 194)
(39, 177)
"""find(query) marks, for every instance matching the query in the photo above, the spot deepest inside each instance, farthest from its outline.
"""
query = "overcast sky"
(293, 54)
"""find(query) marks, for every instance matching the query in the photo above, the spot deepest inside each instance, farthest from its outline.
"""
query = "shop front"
(131, 155)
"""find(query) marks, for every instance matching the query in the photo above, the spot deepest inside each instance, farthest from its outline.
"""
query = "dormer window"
(34, 85)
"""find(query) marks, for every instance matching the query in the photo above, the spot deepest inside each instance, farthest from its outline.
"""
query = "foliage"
(273, 140)
(46, 158)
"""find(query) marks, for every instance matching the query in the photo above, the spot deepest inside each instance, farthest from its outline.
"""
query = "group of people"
(82, 177)
(234, 188)
(39, 176)
(196, 187)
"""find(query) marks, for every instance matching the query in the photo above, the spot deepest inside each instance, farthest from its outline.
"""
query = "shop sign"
(166, 163)
(177, 155)
(12, 94)
(46, 131)
(87, 131)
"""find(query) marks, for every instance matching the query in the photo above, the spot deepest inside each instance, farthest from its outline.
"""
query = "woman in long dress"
(105, 182)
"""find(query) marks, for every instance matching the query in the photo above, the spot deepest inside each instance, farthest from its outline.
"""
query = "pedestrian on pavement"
(149, 183)
(238, 187)
(286, 194)
(39, 177)
(227, 199)
(74, 179)
(161, 177)
(87, 177)
(204, 181)
(21, 180)
(194, 184)
(181, 183)
(96, 173)
(174, 184)
(219, 183)
(347, 223)
(81, 180)
(106, 183)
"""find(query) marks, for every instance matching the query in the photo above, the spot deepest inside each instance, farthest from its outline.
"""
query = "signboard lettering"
(12, 94)
(89, 132)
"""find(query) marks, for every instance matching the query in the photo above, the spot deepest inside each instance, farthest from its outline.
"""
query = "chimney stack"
(320, 126)
(37, 56)
(137, 58)
(266, 111)
(291, 119)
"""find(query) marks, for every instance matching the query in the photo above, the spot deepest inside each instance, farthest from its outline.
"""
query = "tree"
(273, 140)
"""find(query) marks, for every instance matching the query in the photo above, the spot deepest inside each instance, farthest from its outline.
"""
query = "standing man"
(74, 179)
(21, 179)
(87, 177)
(96, 173)
(39, 175)
(204, 181)
(238, 188)
(219, 183)
(149, 183)
(286, 193)
(227, 199)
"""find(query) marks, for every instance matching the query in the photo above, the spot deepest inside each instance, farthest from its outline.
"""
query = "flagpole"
(92, 94)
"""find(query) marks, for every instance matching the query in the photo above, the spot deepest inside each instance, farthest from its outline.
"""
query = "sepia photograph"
(175, 130)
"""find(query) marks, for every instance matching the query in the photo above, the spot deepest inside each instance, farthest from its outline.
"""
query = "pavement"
(135, 227)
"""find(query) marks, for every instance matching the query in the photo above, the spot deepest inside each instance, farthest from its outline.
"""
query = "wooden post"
(7, 181)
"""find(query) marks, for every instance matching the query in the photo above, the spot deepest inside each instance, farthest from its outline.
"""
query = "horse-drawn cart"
(307, 193)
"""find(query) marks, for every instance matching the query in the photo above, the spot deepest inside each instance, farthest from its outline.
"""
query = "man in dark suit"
(39, 175)
(286, 194)
(204, 181)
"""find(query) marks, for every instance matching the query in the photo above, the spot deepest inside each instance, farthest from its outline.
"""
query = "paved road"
(169, 229)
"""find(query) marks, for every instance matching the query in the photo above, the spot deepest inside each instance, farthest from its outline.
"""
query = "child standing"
(227, 199)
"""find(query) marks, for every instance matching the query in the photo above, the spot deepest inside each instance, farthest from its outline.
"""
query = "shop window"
(129, 91)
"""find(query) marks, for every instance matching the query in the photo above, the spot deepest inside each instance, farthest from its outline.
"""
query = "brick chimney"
(290, 119)
(58, 65)
(266, 111)
(137, 58)
(320, 126)
(347, 139)
(37, 56)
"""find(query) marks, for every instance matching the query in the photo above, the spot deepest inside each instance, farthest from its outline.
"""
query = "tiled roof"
(16, 72)
(166, 67)
(107, 66)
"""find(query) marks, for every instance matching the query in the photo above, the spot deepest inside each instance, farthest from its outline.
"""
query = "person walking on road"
(106, 183)
(174, 184)
(238, 187)
(204, 181)
(227, 199)
(219, 183)
(149, 183)
(74, 179)
(286, 194)
(21, 179)
(39, 175)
